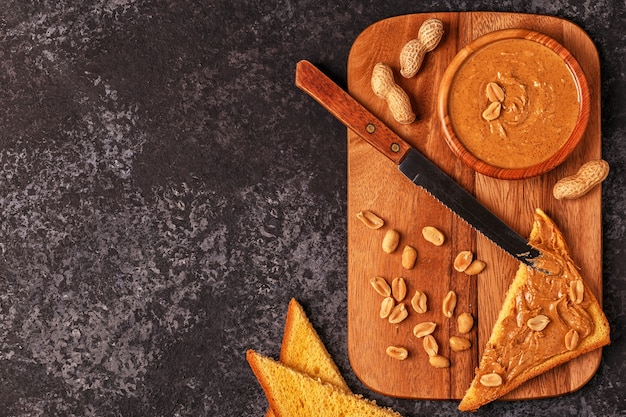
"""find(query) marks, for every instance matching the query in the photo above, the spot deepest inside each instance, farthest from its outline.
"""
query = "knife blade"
(412, 163)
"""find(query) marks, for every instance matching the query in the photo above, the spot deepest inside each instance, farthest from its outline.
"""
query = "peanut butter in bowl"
(513, 104)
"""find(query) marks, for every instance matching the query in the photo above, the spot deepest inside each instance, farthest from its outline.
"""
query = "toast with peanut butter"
(548, 317)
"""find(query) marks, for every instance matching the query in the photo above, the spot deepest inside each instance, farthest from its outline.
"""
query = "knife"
(412, 163)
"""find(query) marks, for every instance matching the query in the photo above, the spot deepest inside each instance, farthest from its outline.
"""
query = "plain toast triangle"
(295, 394)
(303, 350)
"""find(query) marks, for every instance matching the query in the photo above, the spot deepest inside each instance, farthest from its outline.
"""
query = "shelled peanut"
(370, 219)
(433, 235)
(390, 241)
(476, 267)
(495, 95)
(386, 306)
(409, 257)
(398, 314)
(381, 286)
(398, 288)
(424, 329)
(393, 307)
(397, 352)
(465, 262)
(465, 322)
(449, 304)
(439, 361)
(419, 302)
(491, 380)
(394, 313)
(459, 344)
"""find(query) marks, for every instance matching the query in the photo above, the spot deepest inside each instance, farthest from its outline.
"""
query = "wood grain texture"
(374, 183)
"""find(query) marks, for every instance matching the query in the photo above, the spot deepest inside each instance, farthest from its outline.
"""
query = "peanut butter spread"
(554, 295)
(547, 318)
(533, 119)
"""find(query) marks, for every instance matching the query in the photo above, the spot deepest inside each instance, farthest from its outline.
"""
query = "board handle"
(350, 112)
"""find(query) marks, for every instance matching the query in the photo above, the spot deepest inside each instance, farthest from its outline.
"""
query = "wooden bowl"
(496, 151)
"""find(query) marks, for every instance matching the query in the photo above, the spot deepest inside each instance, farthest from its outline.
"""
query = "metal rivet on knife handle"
(343, 106)
(370, 128)
(412, 163)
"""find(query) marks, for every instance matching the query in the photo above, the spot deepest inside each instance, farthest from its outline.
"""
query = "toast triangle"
(514, 350)
(303, 350)
(294, 394)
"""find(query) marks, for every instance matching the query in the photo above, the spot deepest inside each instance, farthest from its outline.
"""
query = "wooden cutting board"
(375, 184)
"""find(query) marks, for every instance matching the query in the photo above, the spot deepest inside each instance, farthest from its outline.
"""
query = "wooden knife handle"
(350, 112)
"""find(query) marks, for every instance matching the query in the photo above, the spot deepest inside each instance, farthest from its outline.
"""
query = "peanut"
(424, 329)
(385, 87)
(390, 241)
(419, 302)
(538, 323)
(409, 257)
(459, 344)
(398, 314)
(465, 322)
(449, 303)
(439, 361)
(571, 339)
(414, 51)
(386, 306)
(577, 291)
(370, 219)
(380, 286)
(492, 112)
(433, 235)
(397, 352)
(476, 267)
(494, 92)
(430, 345)
(398, 288)
(588, 176)
(463, 260)
(491, 380)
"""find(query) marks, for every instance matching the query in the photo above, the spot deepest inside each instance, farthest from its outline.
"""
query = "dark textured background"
(165, 190)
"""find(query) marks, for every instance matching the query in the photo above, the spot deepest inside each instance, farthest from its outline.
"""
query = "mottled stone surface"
(165, 190)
